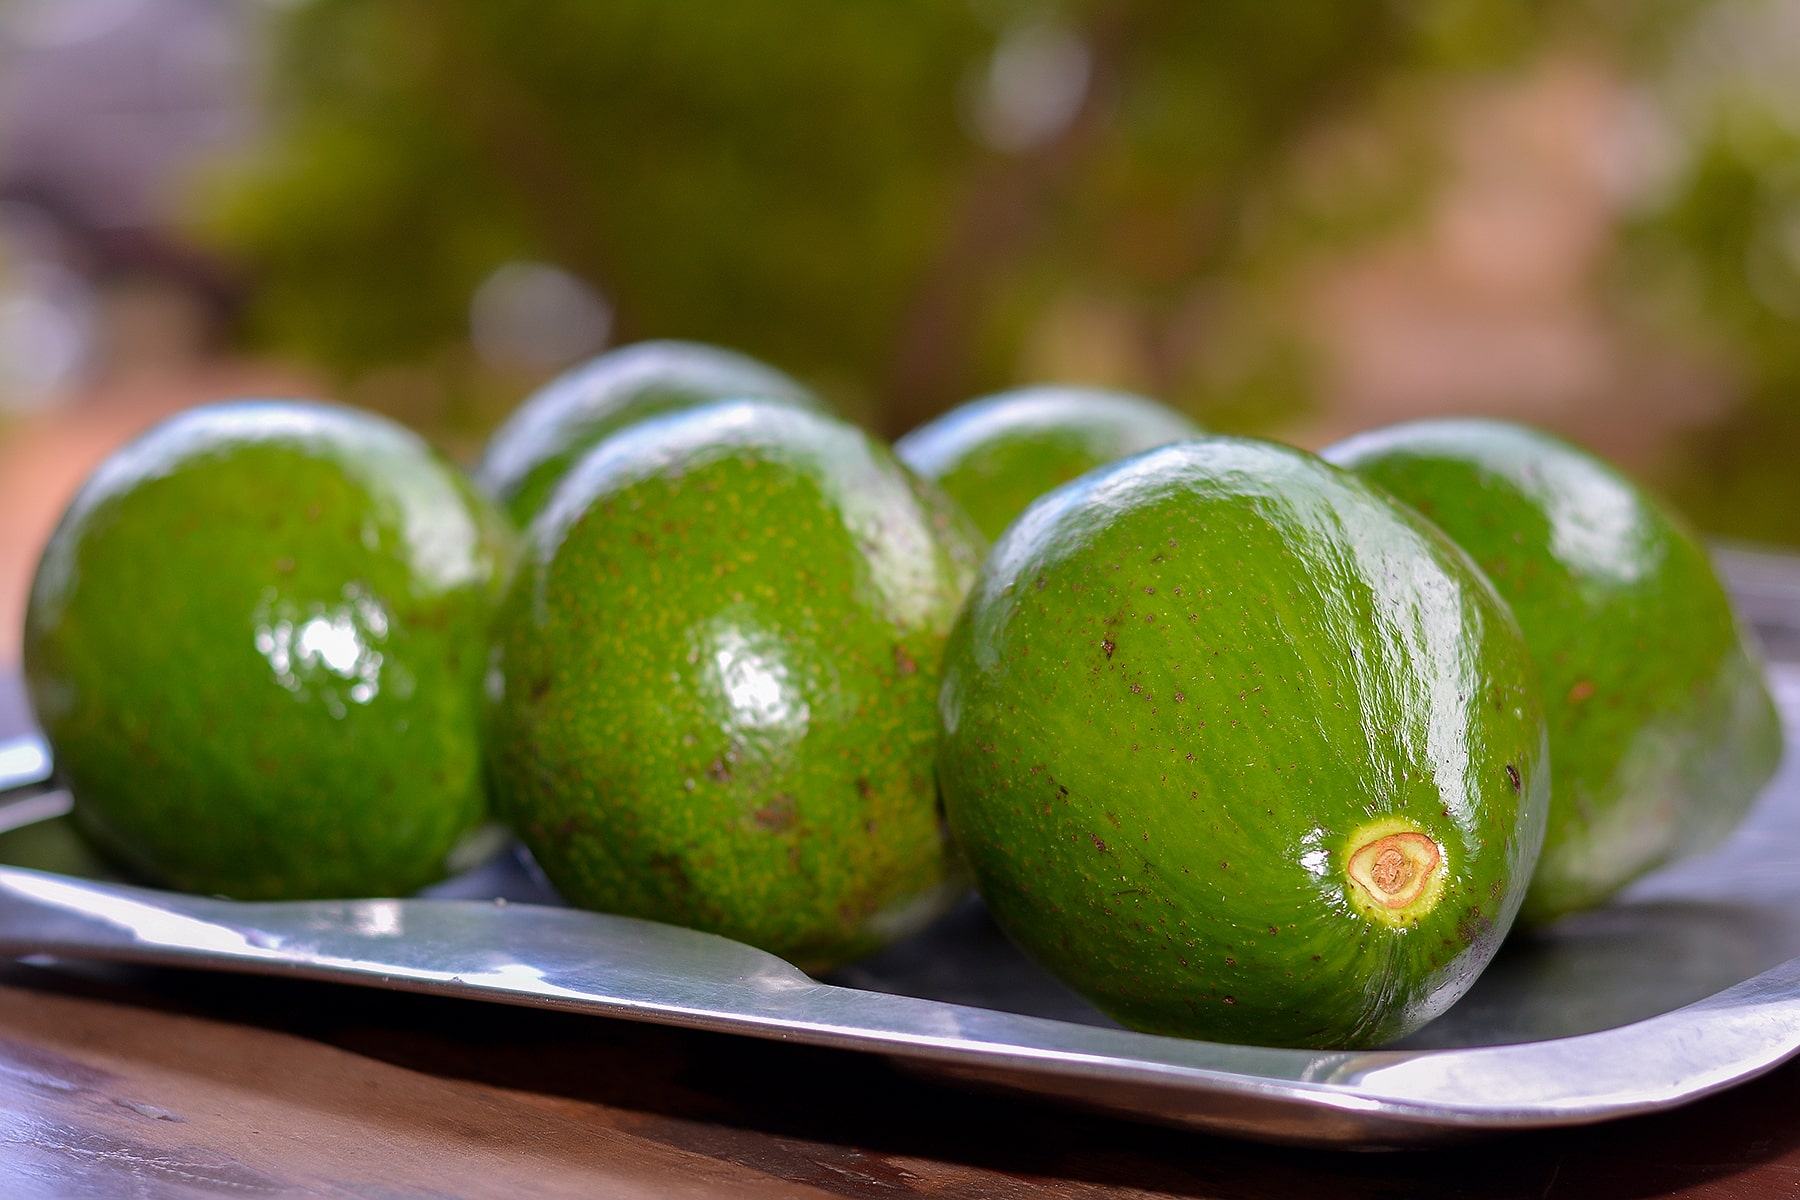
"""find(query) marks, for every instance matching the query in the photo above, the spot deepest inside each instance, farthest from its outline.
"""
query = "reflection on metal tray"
(1687, 984)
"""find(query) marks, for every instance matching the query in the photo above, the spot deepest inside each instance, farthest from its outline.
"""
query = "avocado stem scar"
(1394, 870)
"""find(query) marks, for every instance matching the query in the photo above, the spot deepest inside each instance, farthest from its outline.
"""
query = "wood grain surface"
(139, 1083)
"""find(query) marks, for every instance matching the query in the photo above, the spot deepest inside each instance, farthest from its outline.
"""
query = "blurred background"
(1296, 219)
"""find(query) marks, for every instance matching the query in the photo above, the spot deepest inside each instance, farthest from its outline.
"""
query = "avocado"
(1242, 749)
(1662, 730)
(995, 455)
(714, 678)
(254, 643)
(551, 430)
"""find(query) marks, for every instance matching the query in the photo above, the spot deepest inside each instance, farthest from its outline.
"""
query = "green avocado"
(714, 678)
(1242, 749)
(559, 423)
(254, 643)
(995, 455)
(1662, 730)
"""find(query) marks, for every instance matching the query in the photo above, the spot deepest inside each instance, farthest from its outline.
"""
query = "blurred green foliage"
(807, 180)
(709, 167)
(799, 179)
(1713, 259)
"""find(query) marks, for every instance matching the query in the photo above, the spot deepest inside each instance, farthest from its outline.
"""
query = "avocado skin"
(1662, 730)
(995, 455)
(715, 676)
(1179, 685)
(565, 418)
(254, 644)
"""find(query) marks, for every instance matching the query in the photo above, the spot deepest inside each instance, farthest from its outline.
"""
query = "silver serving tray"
(1686, 985)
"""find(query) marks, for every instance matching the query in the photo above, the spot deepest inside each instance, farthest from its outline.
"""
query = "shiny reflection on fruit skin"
(1597, 525)
(311, 651)
(1593, 521)
(1179, 685)
(423, 513)
(996, 454)
(758, 692)
(554, 428)
(249, 641)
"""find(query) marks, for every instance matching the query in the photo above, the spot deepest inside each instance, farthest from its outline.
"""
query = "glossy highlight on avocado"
(1241, 749)
(254, 643)
(714, 682)
(560, 422)
(1662, 730)
(995, 455)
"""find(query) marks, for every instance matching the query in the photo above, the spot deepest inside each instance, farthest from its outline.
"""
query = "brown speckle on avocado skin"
(815, 662)
(778, 815)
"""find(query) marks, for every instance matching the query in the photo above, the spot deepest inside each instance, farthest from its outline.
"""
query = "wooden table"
(175, 1084)
(150, 1084)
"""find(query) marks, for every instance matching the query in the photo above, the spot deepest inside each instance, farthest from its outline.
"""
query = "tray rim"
(1331, 1098)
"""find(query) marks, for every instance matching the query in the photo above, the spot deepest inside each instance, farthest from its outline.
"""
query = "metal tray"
(1687, 984)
